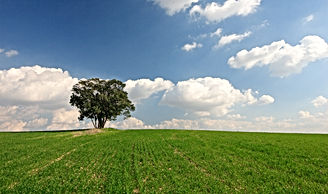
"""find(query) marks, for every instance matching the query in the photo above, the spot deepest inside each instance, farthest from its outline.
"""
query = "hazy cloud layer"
(227, 39)
(129, 123)
(9, 53)
(308, 18)
(282, 58)
(320, 101)
(215, 12)
(305, 123)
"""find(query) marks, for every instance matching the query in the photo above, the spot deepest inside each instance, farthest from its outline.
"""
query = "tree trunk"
(101, 123)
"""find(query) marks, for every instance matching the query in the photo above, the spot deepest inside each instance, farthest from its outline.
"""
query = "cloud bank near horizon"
(36, 98)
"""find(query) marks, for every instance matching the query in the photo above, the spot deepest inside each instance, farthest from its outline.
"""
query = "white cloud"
(320, 101)
(261, 124)
(305, 114)
(174, 6)
(308, 18)
(36, 98)
(250, 99)
(13, 125)
(5, 111)
(308, 124)
(264, 119)
(282, 58)
(266, 99)
(143, 88)
(38, 123)
(24, 106)
(36, 85)
(215, 12)
(217, 32)
(11, 53)
(224, 40)
(2, 50)
(190, 47)
(236, 116)
(67, 119)
(129, 123)
(178, 124)
(206, 96)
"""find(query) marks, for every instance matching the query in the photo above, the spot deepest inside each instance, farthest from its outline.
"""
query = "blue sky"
(144, 39)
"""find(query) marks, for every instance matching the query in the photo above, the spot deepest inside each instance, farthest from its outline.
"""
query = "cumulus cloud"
(2, 50)
(224, 40)
(12, 125)
(305, 114)
(282, 58)
(178, 124)
(174, 6)
(36, 85)
(11, 53)
(215, 12)
(32, 97)
(67, 119)
(36, 98)
(19, 118)
(38, 123)
(143, 88)
(206, 96)
(190, 47)
(129, 123)
(10, 118)
(266, 99)
(320, 101)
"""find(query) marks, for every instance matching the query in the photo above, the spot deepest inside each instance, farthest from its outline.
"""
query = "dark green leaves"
(101, 100)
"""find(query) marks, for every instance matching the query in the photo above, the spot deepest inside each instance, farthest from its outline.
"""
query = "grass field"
(163, 161)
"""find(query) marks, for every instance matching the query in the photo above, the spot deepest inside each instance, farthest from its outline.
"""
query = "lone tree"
(101, 100)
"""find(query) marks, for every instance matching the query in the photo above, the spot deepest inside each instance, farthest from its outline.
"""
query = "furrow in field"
(195, 164)
(279, 163)
(243, 163)
(27, 158)
(133, 169)
(36, 170)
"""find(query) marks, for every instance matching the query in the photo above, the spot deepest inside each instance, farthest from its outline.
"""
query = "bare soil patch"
(87, 132)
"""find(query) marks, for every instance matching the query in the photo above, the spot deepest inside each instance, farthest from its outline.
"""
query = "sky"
(239, 65)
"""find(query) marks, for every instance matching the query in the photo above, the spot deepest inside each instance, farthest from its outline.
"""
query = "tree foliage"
(101, 100)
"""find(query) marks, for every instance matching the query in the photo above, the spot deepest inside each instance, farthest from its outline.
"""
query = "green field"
(142, 161)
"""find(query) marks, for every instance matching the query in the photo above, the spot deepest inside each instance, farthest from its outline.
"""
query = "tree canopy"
(101, 100)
